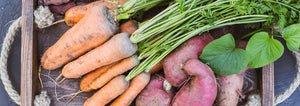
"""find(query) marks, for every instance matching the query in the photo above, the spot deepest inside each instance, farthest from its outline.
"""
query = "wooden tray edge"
(28, 54)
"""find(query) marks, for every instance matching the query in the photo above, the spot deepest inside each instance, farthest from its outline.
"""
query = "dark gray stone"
(285, 67)
(10, 10)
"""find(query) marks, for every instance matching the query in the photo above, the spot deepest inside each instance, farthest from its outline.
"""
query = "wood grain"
(28, 55)
(268, 85)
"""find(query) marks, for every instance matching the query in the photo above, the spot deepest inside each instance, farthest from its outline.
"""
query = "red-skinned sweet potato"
(201, 90)
(229, 89)
(190, 49)
(155, 93)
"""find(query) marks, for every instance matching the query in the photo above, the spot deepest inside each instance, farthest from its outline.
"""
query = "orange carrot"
(93, 30)
(137, 84)
(74, 14)
(117, 48)
(156, 68)
(116, 70)
(87, 80)
(110, 91)
(129, 26)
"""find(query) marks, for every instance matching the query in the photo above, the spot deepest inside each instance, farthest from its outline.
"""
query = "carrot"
(110, 91)
(117, 48)
(90, 77)
(129, 26)
(74, 14)
(137, 84)
(156, 68)
(94, 29)
(116, 70)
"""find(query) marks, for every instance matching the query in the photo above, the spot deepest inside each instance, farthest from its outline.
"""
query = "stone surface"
(10, 10)
(285, 67)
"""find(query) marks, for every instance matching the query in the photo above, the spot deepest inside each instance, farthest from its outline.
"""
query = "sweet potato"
(190, 49)
(201, 90)
(229, 89)
(154, 94)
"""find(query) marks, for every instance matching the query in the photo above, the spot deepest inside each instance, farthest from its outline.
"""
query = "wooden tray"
(36, 41)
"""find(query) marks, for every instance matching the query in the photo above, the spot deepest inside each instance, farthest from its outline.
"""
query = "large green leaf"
(263, 50)
(292, 36)
(222, 56)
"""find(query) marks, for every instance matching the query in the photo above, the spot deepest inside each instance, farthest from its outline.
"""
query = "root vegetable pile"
(93, 30)
(117, 48)
(177, 41)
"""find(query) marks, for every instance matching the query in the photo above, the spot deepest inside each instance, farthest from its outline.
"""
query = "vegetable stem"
(183, 20)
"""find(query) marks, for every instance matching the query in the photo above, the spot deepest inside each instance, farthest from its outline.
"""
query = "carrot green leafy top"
(184, 19)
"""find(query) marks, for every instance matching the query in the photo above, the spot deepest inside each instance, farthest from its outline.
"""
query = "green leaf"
(292, 36)
(263, 50)
(222, 56)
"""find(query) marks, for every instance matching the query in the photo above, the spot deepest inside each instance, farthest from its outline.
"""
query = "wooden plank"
(268, 85)
(28, 56)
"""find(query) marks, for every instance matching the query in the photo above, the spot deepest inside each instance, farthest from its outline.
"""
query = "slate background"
(285, 67)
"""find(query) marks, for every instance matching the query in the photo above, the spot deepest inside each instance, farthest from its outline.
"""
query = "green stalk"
(132, 6)
(156, 18)
(147, 64)
(170, 29)
(283, 5)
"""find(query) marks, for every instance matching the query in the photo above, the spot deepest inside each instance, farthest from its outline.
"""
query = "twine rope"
(43, 19)
(8, 40)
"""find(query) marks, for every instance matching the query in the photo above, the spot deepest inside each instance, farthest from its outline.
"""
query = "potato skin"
(201, 90)
(191, 49)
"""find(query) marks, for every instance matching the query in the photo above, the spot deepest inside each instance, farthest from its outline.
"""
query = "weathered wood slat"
(268, 85)
(28, 55)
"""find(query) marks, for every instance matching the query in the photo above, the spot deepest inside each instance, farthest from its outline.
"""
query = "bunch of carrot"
(94, 46)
